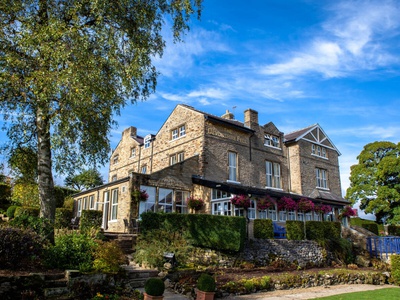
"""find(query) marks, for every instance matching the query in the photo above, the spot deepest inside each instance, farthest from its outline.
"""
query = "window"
(84, 203)
(114, 204)
(115, 159)
(271, 141)
(217, 194)
(114, 178)
(273, 174)
(133, 152)
(79, 209)
(223, 208)
(232, 163)
(91, 202)
(150, 203)
(321, 175)
(178, 132)
(144, 170)
(147, 142)
(180, 201)
(165, 200)
(318, 151)
(177, 157)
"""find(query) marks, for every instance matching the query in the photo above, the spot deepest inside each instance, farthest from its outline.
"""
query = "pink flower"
(305, 205)
(287, 203)
(195, 203)
(347, 212)
(265, 202)
(241, 201)
(322, 208)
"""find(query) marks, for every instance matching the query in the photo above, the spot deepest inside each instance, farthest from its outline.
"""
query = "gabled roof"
(314, 134)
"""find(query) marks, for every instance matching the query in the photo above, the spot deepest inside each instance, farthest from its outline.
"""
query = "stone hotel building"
(196, 154)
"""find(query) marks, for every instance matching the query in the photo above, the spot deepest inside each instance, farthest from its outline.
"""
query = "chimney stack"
(129, 132)
(251, 119)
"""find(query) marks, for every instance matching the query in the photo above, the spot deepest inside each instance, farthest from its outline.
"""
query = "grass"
(381, 294)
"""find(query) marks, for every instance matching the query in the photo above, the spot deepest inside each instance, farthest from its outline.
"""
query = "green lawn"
(382, 294)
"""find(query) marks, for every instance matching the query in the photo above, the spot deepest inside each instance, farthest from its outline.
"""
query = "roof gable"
(313, 134)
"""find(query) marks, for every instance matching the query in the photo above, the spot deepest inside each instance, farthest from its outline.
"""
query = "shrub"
(263, 229)
(315, 230)
(27, 211)
(69, 203)
(395, 265)
(206, 283)
(90, 219)
(394, 230)
(63, 218)
(154, 287)
(41, 226)
(71, 251)
(11, 211)
(371, 227)
(108, 257)
(19, 248)
(295, 230)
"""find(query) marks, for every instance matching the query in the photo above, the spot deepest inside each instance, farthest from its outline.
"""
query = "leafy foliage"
(90, 219)
(263, 229)
(19, 248)
(154, 286)
(63, 218)
(11, 211)
(52, 59)
(108, 257)
(206, 283)
(395, 265)
(85, 180)
(23, 164)
(26, 194)
(375, 181)
(71, 251)
(295, 230)
(40, 226)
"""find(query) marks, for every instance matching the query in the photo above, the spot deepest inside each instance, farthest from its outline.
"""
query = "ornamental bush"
(263, 229)
(90, 219)
(295, 230)
(20, 248)
(11, 211)
(395, 266)
(206, 283)
(108, 257)
(41, 226)
(154, 286)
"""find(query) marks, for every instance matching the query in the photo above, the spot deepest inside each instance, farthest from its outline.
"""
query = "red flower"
(265, 202)
(287, 203)
(305, 205)
(241, 201)
(195, 203)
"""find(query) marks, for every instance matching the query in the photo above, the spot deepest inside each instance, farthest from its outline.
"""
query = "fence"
(379, 246)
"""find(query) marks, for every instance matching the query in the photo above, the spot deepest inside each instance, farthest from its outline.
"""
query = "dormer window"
(271, 141)
(115, 159)
(178, 132)
(147, 142)
(318, 151)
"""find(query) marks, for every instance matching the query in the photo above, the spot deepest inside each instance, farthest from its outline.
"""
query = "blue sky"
(297, 62)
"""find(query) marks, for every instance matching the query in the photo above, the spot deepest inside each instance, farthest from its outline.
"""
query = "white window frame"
(180, 202)
(271, 140)
(272, 214)
(79, 207)
(84, 203)
(178, 132)
(91, 202)
(319, 151)
(114, 177)
(222, 208)
(143, 170)
(166, 200)
(180, 156)
(273, 175)
(114, 205)
(147, 142)
(133, 152)
(321, 178)
(172, 160)
(232, 166)
(115, 159)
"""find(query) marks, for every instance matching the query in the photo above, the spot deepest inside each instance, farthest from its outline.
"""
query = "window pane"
(268, 166)
(232, 157)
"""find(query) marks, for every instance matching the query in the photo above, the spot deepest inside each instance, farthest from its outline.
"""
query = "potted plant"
(195, 203)
(241, 201)
(205, 287)
(139, 195)
(154, 289)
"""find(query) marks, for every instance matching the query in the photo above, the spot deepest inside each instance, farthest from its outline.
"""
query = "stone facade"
(202, 155)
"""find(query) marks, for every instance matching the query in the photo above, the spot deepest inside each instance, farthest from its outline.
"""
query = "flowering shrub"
(347, 212)
(287, 203)
(265, 202)
(195, 203)
(139, 195)
(241, 201)
(305, 205)
(322, 208)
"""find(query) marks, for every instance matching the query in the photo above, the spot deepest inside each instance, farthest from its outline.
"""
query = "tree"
(85, 180)
(23, 164)
(375, 181)
(67, 67)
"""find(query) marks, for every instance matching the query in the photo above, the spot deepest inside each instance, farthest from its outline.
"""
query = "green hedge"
(215, 232)
(11, 211)
(63, 218)
(90, 219)
(263, 229)
(295, 230)
(27, 211)
(395, 265)
(371, 227)
(394, 230)
(362, 222)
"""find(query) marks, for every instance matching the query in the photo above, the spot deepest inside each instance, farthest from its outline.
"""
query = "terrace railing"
(379, 246)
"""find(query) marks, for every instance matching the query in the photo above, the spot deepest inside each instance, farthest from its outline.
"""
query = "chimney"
(228, 115)
(129, 132)
(251, 119)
